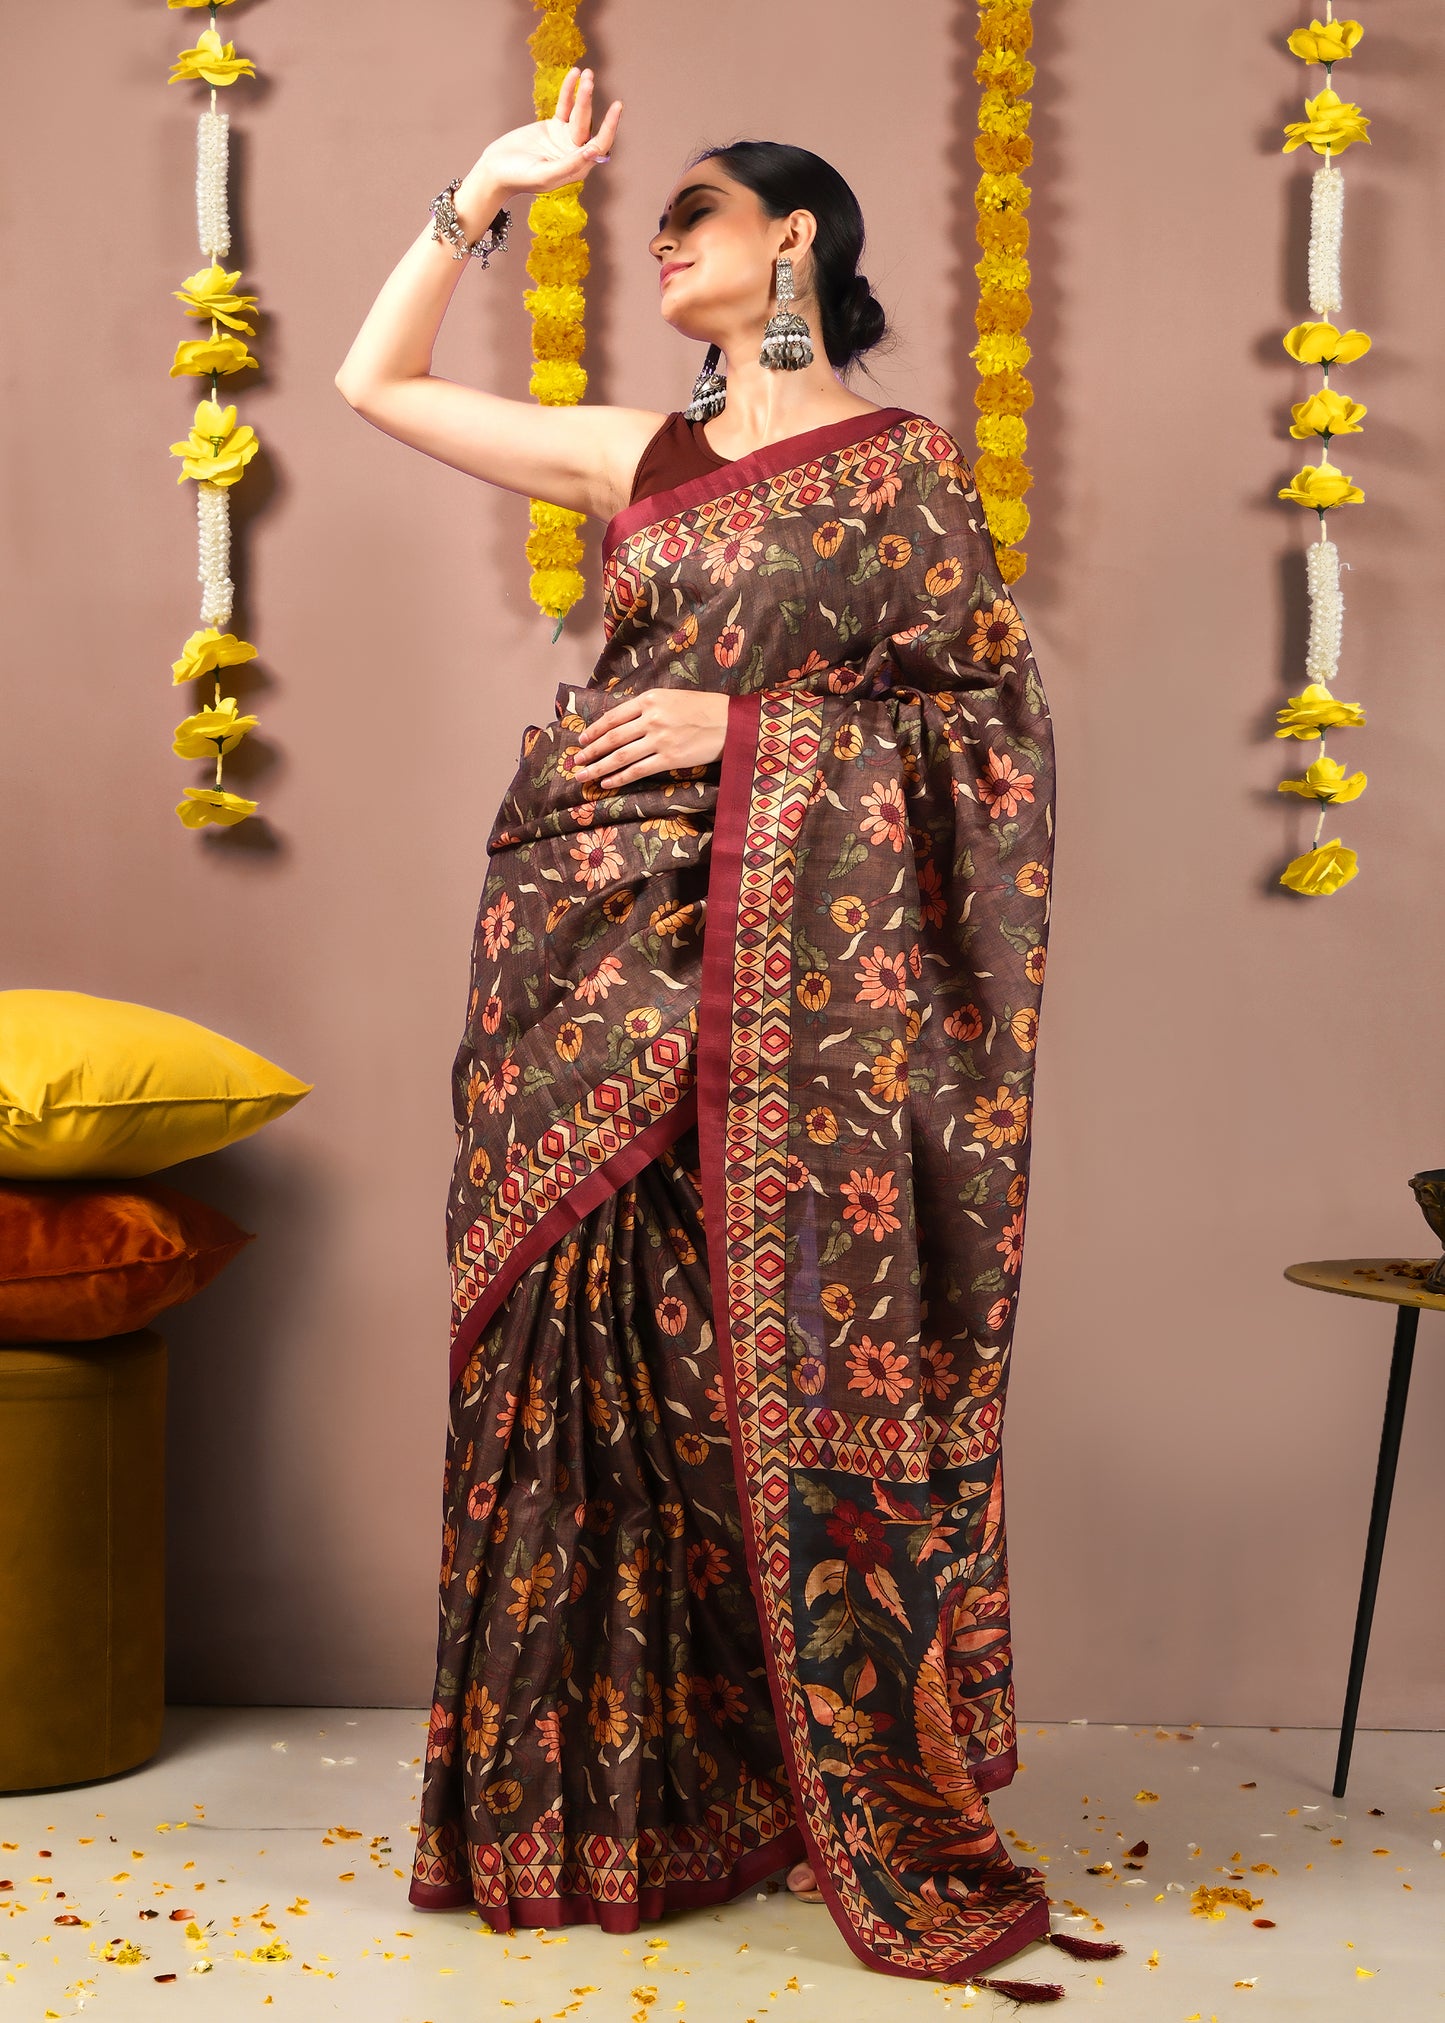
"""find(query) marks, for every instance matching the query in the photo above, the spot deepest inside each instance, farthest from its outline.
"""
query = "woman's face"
(715, 247)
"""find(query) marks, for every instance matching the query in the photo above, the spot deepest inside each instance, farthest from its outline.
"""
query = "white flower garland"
(1327, 220)
(1327, 611)
(213, 520)
(213, 223)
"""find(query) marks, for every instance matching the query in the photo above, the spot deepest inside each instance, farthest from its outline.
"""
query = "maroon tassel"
(1085, 1949)
(1020, 1991)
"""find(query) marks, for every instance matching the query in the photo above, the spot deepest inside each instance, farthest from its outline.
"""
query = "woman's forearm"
(396, 340)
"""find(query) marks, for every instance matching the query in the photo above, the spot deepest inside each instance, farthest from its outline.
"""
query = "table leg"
(1407, 1319)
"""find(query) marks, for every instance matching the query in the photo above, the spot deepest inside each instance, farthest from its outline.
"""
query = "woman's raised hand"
(552, 152)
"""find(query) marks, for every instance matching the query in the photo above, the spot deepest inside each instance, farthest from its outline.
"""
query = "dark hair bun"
(861, 318)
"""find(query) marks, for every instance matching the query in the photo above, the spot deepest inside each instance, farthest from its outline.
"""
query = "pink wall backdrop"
(1229, 1078)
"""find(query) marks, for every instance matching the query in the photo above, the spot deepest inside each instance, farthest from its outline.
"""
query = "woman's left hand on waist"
(653, 732)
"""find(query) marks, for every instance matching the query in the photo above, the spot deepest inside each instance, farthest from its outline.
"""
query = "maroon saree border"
(768, 462)
(714, 1055)
(566, 1214)
(549, 1913)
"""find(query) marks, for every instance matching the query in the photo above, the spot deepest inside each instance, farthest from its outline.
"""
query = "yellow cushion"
(96, 1087)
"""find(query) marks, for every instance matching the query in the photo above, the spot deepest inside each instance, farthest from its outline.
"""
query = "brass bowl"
(1429, 1190)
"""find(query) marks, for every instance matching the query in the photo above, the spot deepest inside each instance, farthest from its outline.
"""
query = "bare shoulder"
(583, 457)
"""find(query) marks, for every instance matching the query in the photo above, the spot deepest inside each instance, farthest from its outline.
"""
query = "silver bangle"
(447, 228)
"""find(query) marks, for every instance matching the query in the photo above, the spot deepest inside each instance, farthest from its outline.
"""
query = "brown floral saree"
(743, 1105)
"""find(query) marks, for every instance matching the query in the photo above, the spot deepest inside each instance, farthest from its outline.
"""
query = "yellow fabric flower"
(197, 3)
(1329, 126)
(209, 804)
(208, 292)
(212, 730)
(1327, 413)
(1321, 42)
(1322, 344)
(1313, 710)
(1325, 780)
(211, 59)
(1321, 486)
(211, 354)
(209, 649)
(1321, 871)
(215, 449)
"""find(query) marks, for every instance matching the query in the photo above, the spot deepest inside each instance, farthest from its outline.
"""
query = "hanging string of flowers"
(558, 262)
(1003, 395)
(216, 452)
(1329, 126)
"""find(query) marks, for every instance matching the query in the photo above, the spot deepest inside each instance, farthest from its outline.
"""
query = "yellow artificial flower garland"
(557, 261)
(1003, 395)
(216, 452)
(1330, 125)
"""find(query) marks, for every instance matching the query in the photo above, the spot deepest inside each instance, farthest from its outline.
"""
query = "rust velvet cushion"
(81, 1260)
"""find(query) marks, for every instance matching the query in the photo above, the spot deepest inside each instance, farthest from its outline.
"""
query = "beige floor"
(290, 1829)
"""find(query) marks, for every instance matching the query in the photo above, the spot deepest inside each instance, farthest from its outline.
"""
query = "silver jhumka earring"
(710, 389)
(787, 342)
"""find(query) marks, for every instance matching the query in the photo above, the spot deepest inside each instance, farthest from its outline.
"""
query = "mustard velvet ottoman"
(82, 1558)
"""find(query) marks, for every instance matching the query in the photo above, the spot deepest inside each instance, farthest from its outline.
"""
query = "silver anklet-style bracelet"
(447, 228)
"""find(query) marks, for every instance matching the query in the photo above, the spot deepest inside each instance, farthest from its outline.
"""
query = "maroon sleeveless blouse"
(676, 453)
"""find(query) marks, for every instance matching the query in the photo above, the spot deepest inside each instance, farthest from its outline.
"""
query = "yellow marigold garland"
(1003, 395)
(1330, 126)
(216, 452)
(558, 262)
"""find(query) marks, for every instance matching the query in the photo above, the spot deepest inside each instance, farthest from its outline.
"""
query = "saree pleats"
(725, 1576)
(603, 1745)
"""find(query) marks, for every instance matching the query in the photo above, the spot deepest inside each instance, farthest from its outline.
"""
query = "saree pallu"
(736, 1228)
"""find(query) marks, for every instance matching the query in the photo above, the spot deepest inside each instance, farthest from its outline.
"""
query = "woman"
(742, 1107)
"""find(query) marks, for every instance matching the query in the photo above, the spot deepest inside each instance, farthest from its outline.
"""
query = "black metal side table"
(1398, 1280)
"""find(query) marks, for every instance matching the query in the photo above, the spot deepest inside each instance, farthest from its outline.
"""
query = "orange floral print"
(878, 1370)
(493, 1085)
(498, 925)
(884, 978)
(671, 1314)
(481, 1722)
(997, 632)
(707, 1566)
(728, 646)
(635, 1581)
(597, 982)
(828, 538)
(837, 1302)
(936, 1373)
(887, 817)
(870, 1199)
(599, 859)
(890, 1073)
(606, 1714)
(880, 487)
(821, 1124)
(1032, 879)
(1003, 787)
(964, 1024)
(1012, 1243)
(599, 1272)
(723, 558)
(1001, 1119)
